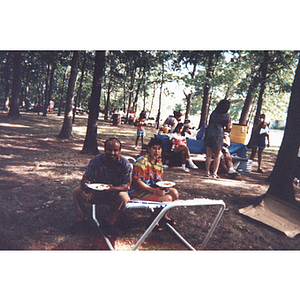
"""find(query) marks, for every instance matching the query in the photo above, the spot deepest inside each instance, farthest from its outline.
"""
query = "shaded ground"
(38, 173)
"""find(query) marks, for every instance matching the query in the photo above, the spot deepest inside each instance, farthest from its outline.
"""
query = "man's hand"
(84, 181)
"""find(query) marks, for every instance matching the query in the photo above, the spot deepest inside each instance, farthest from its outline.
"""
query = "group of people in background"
(216, 139)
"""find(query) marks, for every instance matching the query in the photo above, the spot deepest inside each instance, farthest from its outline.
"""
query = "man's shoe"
(107, 229)
(80, 227)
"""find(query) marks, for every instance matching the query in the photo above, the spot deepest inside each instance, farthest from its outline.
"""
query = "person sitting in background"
(186, 132)
(226, 164)
(179, 145)
(147, 171)
(172, 121)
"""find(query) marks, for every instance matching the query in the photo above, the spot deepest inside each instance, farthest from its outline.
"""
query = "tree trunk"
(205, 106)
(152, 100)
(62, 92)
(264, 71)
(48, 70)
(281, 179)
(7, 82)
(132, 80)
(66, 131)
(16, 85)
(90, 143)
(139, 86)
(210, 69)
(189, 96)
(107, 104)
(160, 95)
(78, 97)
(250, 95)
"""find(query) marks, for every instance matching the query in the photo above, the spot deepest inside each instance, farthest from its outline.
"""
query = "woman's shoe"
(170, 221)
(158, 228)
(215, 176)
(192, 165)
(207, 174)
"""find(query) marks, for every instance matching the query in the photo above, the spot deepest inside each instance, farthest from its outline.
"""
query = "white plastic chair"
(165, 206)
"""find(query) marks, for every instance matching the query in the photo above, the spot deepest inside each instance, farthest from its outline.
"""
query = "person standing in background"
(214, 135)
(260, 133)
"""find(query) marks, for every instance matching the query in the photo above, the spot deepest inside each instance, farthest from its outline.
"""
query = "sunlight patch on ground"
(14, 125)
(226, 182)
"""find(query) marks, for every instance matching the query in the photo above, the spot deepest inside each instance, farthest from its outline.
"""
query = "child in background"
(140, 123)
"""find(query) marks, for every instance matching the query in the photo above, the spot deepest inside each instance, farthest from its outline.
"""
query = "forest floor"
(38, 173)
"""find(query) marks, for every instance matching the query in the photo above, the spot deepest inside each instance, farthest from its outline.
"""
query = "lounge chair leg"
(107, 241)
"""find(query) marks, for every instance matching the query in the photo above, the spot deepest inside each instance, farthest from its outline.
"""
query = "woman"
(179, 146)
(147, 170)
(172, 121)
(260, 132)
(219, 119)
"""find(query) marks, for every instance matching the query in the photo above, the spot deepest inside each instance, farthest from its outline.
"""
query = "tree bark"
(16, 85)
(46, 89)
(205, 106)
(66, 131)
(160, 94)
(62, 92)
(281, 179)
(90, 143)
(250, 95)
(7, 81)
(264, 71)
(78, 97)
(210, 69)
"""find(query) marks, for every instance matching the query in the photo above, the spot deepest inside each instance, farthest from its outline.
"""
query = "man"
(112, 169)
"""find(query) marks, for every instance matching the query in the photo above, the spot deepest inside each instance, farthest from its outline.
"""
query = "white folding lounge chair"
(165, 206)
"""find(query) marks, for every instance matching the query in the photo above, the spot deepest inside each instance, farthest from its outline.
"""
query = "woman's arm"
(143, 186)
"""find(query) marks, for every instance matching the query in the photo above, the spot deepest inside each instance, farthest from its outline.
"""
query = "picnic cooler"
(245, 166)
(238, 133)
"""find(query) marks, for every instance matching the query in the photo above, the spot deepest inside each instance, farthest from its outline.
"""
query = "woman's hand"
(159, 192)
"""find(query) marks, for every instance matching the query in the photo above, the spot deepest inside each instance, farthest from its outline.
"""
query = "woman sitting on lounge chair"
(147, 170)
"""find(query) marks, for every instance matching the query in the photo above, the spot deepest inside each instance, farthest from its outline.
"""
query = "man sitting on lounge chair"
(113, 170)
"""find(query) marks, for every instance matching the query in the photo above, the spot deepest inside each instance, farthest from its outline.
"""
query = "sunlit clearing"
(226, 182)
(14, 125)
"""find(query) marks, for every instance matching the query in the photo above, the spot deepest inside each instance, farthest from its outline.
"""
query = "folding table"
(166, 206)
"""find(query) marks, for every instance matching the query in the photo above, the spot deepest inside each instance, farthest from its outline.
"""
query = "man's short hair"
(155, 141)
(113, 139)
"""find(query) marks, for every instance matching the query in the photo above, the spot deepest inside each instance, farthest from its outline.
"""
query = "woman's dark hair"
(155, 141)
(179, 125)
(222, 107)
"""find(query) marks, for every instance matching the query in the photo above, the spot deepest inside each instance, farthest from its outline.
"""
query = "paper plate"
(165, 184)
(98, 186)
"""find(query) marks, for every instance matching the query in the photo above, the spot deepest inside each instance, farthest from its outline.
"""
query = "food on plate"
(165, 184)
(98, 186)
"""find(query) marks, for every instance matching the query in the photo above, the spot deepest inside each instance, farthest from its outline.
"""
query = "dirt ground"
(38, 173)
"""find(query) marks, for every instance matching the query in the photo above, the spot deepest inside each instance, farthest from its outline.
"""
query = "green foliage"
(230, 76)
